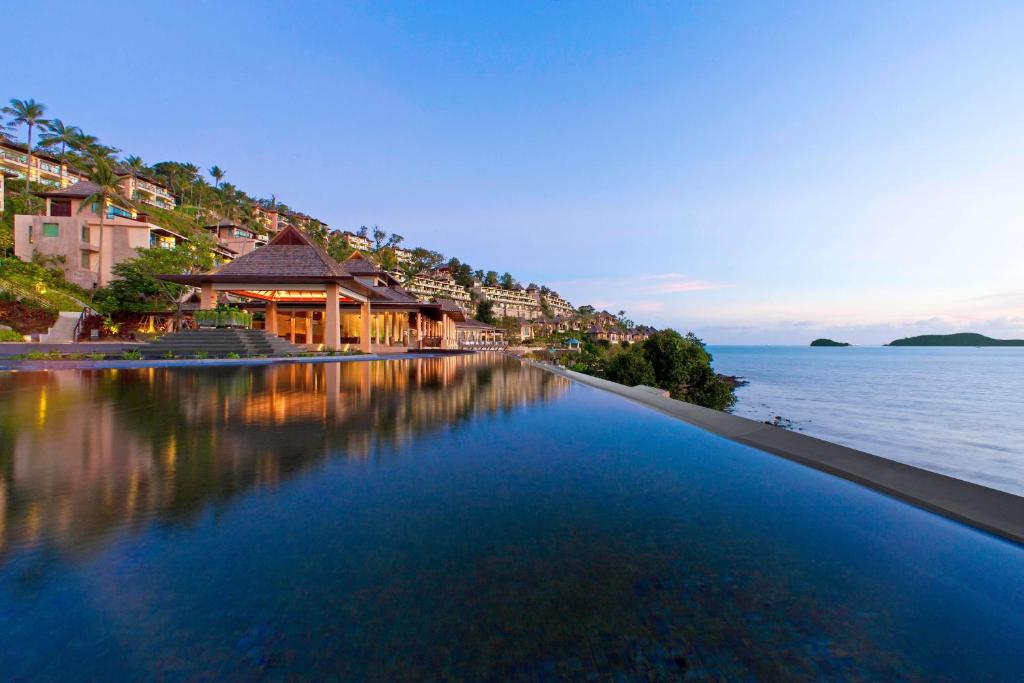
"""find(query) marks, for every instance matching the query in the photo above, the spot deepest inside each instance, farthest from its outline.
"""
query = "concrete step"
(220, 342)
(63, 329)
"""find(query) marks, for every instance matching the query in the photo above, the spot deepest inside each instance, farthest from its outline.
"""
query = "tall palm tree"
(135, 163)
(217, 173)
(28, 113)
(191, 173)
(56, 133)
(108, 189)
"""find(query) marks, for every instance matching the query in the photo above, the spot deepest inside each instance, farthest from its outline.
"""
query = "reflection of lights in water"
(147, 443)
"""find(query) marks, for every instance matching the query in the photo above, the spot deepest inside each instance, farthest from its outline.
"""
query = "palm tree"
(217, 173)
(28, 113)
(108, 189)
(56, 133)
(191, 173)
(135, 163)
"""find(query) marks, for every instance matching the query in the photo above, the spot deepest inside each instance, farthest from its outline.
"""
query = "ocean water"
(958, 411)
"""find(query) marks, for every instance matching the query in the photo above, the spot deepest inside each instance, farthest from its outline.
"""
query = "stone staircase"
(218, 343)
(63, 330)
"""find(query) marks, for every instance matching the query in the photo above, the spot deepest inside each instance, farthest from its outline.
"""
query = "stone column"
(364, 323)
(271, 317)
(207, 297)
(332, 322)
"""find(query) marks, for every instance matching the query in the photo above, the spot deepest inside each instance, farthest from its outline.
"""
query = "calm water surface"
(958, 411)
(461, 518)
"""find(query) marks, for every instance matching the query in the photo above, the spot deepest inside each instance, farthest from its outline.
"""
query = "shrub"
(131, 354)
(202, 355)
(631, 367)
(232, 354)
(169, 354)
(10, 336)
(96, 356)
(35, 355)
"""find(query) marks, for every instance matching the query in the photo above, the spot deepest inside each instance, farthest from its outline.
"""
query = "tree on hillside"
(386, 259)
(462, 273)
(683, 366)
(507, 281)
(338, 247)
(491, 279)
(381, 238)
(55, 134)
(631, 367)
(138, 288)
(485, 312)
(108, 190)
(28, 113)
(217, 173)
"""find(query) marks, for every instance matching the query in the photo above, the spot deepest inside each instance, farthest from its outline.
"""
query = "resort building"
(358, 242)
(509, 303)
(239, 239)
(558, 306)
(439, 284)
(45, 168)
(144, 190)
(309, 298)
(70, 234)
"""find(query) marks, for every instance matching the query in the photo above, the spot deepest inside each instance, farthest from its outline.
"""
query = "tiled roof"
(82, 188)
(475, 324)
(289, 254)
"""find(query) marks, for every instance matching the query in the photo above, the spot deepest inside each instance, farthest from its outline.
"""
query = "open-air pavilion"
(309, 298)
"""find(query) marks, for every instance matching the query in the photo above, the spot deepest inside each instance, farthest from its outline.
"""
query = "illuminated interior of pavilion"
(310, 299)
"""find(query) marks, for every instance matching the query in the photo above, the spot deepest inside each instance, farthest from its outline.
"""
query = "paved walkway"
(9, 349)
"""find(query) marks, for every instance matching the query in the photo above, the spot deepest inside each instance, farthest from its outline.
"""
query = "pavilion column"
(308, 317)
(271, 317)
(291, 327)
(332, 322)
(207, 298)
(364, 323)
(419, 330)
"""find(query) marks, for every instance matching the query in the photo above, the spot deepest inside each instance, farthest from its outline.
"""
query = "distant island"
(958, 339)
(828, 342)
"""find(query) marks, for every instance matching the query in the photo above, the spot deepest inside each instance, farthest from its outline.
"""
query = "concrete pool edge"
(996, 512)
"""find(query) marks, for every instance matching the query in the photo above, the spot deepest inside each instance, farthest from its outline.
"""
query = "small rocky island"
(828, 342)
(958, 339)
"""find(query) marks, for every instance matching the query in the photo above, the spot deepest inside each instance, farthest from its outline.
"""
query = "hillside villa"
(71, 233)
(45, 168)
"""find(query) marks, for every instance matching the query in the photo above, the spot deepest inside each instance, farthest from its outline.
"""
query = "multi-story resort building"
(70, 233)
(144, 190)
(439, 284)
(238, 239)
(45, 168)
(558, 306)
(509, 303)
(358, 242)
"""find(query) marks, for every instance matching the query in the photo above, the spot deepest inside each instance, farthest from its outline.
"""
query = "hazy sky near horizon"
(757, 172)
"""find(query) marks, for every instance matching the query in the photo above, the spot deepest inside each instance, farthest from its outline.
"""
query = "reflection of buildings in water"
(87, 453)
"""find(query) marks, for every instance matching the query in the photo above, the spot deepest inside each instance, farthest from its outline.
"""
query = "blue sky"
(756, 172)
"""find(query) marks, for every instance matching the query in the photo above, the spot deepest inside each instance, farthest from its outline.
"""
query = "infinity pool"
(462, 518)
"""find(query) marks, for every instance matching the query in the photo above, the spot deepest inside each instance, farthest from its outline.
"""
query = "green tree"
(485, 312)
(682, 365)
(338, 247)
(631, 367)
(56, 133)
(28, 113)
(491, 279)
(217, 173)
(507, 281)
(108, 190)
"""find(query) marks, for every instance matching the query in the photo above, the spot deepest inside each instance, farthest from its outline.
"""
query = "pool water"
(462, 518)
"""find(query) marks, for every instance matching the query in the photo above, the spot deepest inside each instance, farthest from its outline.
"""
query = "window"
(51, 230)
(86, 260)
(30, 240)
(85, 233)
